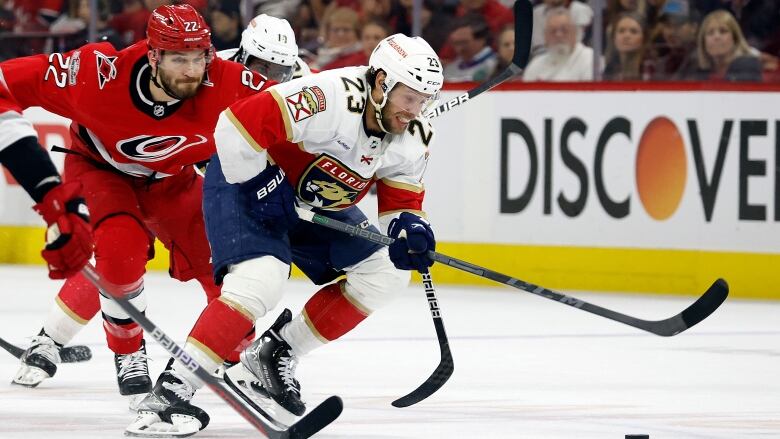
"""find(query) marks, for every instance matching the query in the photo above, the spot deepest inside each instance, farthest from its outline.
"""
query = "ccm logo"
(271, 185)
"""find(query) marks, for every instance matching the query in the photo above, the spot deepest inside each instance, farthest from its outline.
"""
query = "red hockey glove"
(69, 241)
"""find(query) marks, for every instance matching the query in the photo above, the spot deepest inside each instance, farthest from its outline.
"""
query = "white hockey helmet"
(410, 61)
(272, 40)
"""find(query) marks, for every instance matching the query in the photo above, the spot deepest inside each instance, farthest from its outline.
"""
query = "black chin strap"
(162, 86)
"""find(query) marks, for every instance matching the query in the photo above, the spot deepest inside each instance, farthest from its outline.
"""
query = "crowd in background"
(634, 40)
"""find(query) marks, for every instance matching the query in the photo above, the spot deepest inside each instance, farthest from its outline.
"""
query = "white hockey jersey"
(313, 128)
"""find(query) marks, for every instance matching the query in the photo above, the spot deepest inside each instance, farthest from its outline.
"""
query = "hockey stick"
(68, 354)
(314, 421)
(446, 366)
(695, 313)
(524, 19)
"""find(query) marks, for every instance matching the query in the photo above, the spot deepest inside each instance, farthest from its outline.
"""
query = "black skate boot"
(39, 361)
(166, 411)
(265, 378)
(132, 372)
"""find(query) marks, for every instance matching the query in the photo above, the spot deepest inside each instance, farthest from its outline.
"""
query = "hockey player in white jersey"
(320, 141)
(268, 47)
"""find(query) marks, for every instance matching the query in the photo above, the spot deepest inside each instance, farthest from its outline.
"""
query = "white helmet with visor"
(412, 62)
(271, 41)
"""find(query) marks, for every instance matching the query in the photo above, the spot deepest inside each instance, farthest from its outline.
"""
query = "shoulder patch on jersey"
(305, 103)
(106, 70)
(73, 70)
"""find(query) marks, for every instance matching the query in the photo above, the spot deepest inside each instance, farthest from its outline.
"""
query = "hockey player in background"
(141, 118)
(321, 141)
(69, 235)
(268, 46)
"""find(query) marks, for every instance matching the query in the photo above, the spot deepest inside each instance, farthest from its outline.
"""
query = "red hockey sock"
(121, 251)
(332, 313)
(78, 298)
(213, 291)
(220, 329)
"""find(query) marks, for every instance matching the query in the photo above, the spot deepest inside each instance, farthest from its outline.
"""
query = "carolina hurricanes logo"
(155, 148)
(106, 70)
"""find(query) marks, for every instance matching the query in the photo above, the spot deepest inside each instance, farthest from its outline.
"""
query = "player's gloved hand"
(271, 199)
(69, 241)
(413, 238)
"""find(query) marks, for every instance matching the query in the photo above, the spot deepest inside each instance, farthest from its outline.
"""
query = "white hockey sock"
(206, 361)
(300, 337)
(62, 324)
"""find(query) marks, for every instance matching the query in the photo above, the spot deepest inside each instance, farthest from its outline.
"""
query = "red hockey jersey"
(106, 95)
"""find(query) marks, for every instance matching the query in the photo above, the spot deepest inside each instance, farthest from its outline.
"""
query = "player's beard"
(182, 88)
(391, 122)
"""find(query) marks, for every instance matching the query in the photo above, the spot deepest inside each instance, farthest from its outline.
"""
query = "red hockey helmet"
(178, 27)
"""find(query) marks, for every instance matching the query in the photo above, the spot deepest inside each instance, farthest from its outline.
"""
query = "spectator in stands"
(286, 9)
(505, 45)
(7, 18)
(495, 14)
(566, 59)
(475, 59)
(130, 24)
(675, 39)
(35, 15)
(434, 20)
(617, 7)
(722, 52)
(627, 56)
(371, 34)
(76, 23)
(307, 32)
(581, 14)
(340, 28)
(226, 25)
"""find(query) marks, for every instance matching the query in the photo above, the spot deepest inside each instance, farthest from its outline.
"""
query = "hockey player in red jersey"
(322, 141)
(141, 118)
(69, 235)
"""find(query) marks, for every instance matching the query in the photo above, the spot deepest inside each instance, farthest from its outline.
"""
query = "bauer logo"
(625, 167)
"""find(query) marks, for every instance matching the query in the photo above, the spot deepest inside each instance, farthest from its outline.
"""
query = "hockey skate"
(132, 375)
(265, 377)
(166, 411)
(39, 361)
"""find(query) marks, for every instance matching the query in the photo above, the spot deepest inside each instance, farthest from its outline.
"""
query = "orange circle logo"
(661, 168)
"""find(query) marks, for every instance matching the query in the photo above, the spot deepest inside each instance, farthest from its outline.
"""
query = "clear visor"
(410, 100)
(275, 72)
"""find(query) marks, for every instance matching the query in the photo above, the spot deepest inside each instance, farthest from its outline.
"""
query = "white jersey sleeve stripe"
(405, 186)
(285, 115)
(240, 159)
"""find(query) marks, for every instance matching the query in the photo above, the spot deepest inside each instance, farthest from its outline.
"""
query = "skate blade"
(134, 401)
(148, 424)
(29, 376)
(238, 378)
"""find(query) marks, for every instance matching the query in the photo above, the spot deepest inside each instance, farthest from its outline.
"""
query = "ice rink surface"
(525, 367)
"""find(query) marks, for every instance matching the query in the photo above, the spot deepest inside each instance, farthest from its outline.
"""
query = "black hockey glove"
(413, 238)
(271, 200)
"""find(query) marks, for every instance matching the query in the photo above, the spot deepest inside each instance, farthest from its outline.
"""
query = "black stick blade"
(317, 419)
(68, 354)
(524, 26)
(707, 304)
(700, 309)
(437, 379)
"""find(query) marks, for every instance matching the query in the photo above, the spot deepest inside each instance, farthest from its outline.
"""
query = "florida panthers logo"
(329, 184)
(156, 148)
